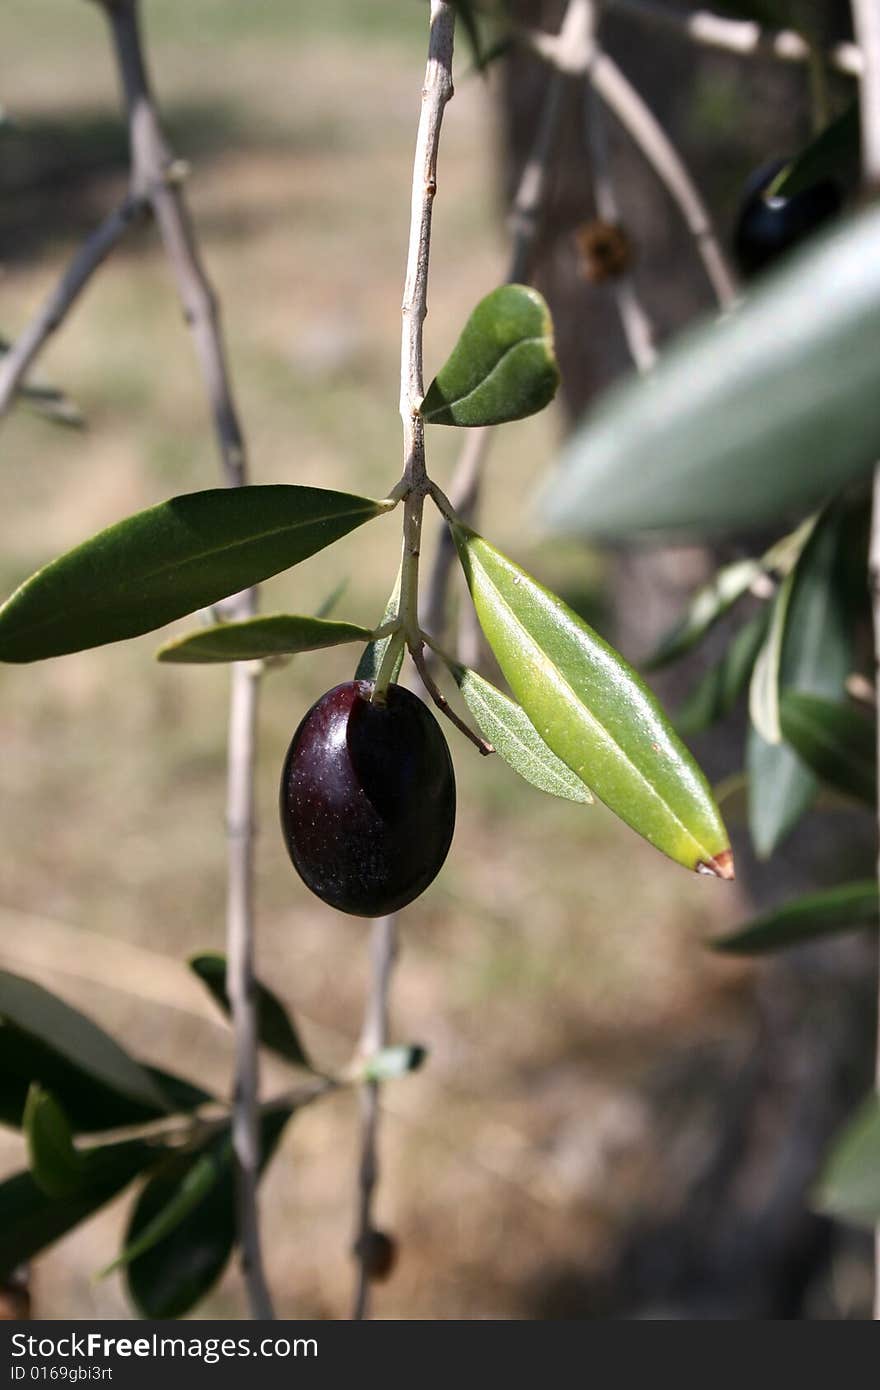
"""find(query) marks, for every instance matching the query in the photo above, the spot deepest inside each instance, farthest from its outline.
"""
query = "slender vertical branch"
(524, 222)
(637, 327)
(637, 118)
(155, 177)
(866, 21)
(436, 92)
(374, 1036)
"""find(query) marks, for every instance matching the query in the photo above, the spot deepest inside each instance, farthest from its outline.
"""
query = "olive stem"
(418, 655)
(436, 92)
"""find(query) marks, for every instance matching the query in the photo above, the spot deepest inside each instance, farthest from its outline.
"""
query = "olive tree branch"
(742, 36)
(374, 1036)
(523, 221)
(93, 252)
(637, 327)
(155, 178)
(436, 92)
(646, 132)
(866, 22)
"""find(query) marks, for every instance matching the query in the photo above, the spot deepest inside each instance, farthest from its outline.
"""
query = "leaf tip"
(721, 866)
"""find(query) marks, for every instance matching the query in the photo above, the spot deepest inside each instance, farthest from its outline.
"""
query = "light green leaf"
(747, 420)
(392, 1062)
(716, 693)
(42, 1016)
(836, 742)
(171, 560)
(515, 738)
(374, 653)
(185, 1240)
(849, 1186)
(277, 634)
(502, 367)
(55, 1165)
(30, 1220)
(827, 913)
(593, 711)
(274, 1027)
(708, 605)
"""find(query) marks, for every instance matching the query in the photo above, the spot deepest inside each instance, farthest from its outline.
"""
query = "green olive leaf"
(835, 741)
(835, 153)
(276, 634)
(169, 561)
(374, 652)
(593, 711)
(716, 693)
(502, 367)
(849, 1185)
(55, 1165)
(826, 913)
(31, 1220)
(515, 738)
(275, 1029)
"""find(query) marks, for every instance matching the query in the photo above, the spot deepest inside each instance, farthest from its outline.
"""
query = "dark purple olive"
(768, 227)
(368, 799)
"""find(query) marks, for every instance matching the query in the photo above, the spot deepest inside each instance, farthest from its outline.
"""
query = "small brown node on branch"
(377, 1252)
(605, 249)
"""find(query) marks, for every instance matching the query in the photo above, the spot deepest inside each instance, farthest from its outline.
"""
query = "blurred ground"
(556, 970)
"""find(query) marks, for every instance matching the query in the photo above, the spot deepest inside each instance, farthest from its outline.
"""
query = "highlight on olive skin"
(368, 799)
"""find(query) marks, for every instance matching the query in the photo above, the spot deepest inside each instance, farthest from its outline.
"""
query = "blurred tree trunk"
(740, 1242)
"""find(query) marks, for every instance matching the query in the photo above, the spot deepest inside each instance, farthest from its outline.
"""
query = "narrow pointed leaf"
(707, 606)
(594, 711)
(373, 654)
(835, 741)
(502, 367)
(849, 1186)
(764, 685)
(48, 1020)
(515, 738)
(169, 561)
(195, 1177)
(30, 1220)
(746, 420)
(392, 1062)
(55, 1165)
(89, 1103)
(716, 693)
(835, 154)
(177, 1268)
(781, 789)
(274, 1027)
(277, 634)
(815, 657)
(827, 913)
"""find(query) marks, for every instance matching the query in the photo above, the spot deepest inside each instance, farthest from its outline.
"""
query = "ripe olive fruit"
(767, 227)
(368, 799)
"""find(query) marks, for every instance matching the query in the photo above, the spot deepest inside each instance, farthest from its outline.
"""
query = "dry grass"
(555, 950)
